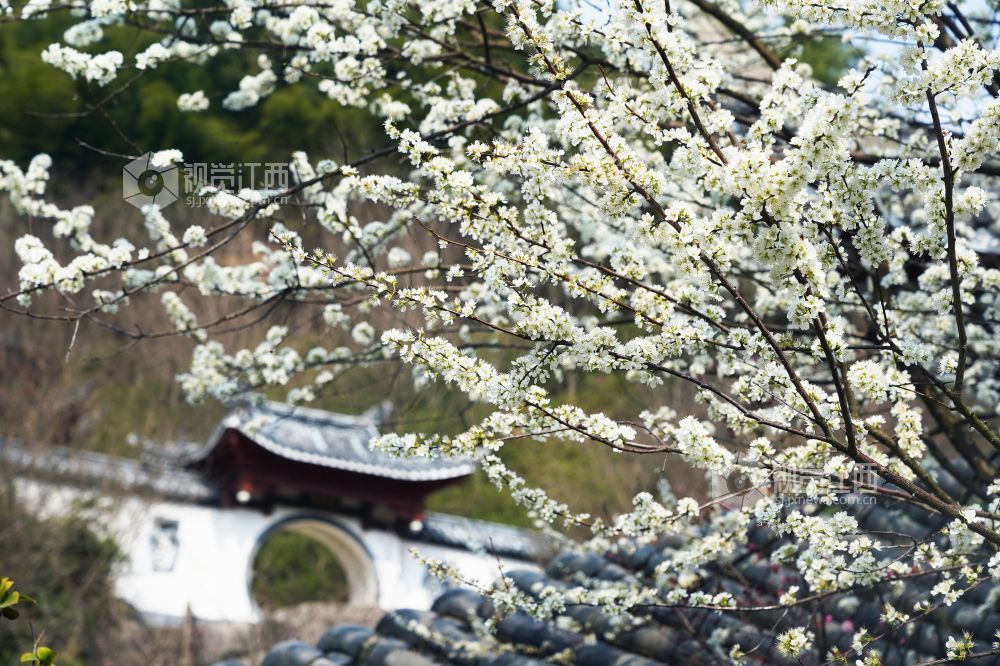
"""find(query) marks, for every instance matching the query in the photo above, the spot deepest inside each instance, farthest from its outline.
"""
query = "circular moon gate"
(354, 558)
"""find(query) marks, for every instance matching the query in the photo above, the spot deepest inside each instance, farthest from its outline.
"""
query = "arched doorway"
(306, 559)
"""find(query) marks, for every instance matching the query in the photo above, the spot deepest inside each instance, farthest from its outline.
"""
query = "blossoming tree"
(650, 189)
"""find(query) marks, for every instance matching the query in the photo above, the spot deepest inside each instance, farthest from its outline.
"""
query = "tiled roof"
(171, 482)
(479, 535)
(100, 471)
(584, 636)
(331, 440)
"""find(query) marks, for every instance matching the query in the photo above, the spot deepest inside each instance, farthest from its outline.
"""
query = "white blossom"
(196, 101)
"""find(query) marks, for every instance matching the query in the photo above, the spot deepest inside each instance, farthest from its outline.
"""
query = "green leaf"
(45, 656)
(8, 596)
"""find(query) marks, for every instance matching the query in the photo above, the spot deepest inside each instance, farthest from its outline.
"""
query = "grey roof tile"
(692, 637)
(292, 653)
(471, 534)
(459, 603)
(389, 652)
(98, 471)
(347, 638)
(330, 440)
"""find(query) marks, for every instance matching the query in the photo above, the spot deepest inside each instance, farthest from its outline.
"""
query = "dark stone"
(599, 654)
(525, 580)
(347, 638)
(656, 642)
(389, 652)
(458, 603)
(508, 659)
(396, 624)
(519, 628)
(566, 564)
(292, 653)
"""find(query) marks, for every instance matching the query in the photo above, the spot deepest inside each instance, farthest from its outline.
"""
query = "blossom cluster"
(627, 195)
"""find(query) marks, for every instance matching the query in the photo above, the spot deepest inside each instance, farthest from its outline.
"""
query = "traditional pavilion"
(190, 518)
(271, 453)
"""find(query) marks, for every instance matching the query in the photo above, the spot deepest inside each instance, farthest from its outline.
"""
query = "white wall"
(215, 547)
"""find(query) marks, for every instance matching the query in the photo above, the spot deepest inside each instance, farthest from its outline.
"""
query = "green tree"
(291, 568)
